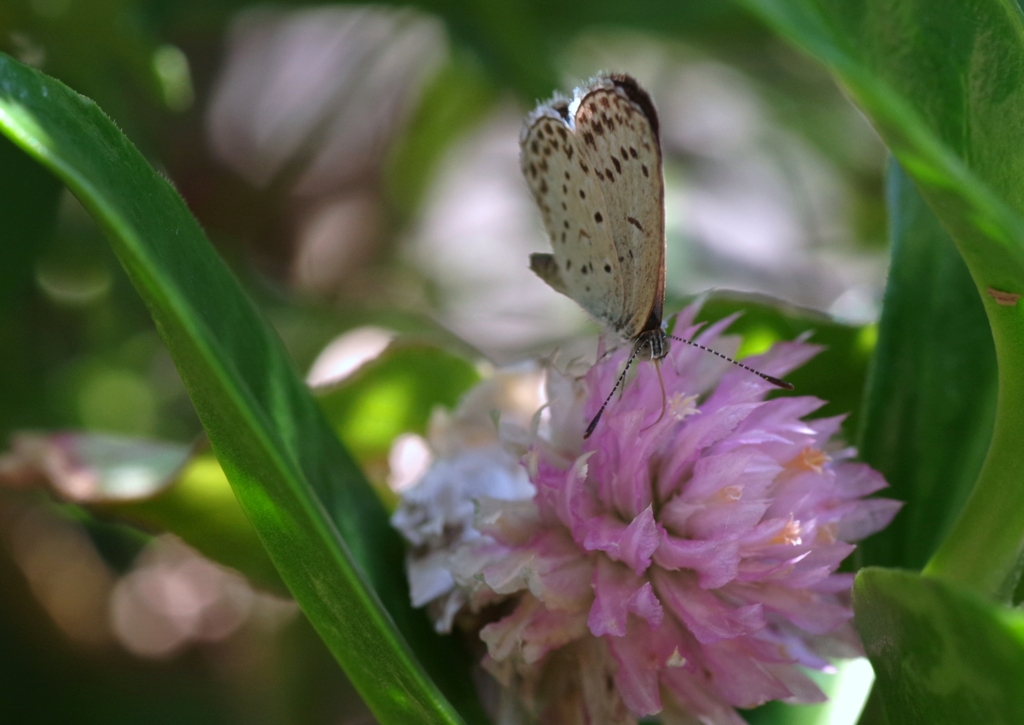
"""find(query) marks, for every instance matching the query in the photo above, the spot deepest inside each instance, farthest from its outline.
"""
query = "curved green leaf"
(941, 653)
(325, 530)
(932, 389)
(943, 83)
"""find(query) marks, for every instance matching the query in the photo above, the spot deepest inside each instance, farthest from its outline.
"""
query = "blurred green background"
(357, 165)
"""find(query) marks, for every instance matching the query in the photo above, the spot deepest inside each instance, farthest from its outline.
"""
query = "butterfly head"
(651, 344)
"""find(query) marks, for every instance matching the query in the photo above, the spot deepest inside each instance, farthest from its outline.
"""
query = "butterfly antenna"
(774, 381)
(622, 376)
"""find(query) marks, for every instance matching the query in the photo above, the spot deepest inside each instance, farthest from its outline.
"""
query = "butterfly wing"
(584, 261)
(616, 128)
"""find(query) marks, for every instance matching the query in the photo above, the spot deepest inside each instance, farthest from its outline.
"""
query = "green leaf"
(932, 388)
(325, 530)
(941, 653)
(943, 83)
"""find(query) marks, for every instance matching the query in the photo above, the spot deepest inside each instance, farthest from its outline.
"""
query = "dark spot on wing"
(543, 186)
(535, 147)
(622, 152)
(586, 169)
(597, 217)
(608, 268)
(568, 264)
(568, 151)
(583, 269)
(608, 173)
(643, 167)
(566, 175)
(565, 223)
(632, 152)
(616, 164)
(634, 222)
(583, 194)
(599, 174)
(588, 138)
(598, 129)
(565, 189)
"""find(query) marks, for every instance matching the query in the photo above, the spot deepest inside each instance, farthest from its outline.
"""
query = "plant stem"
(985, 547)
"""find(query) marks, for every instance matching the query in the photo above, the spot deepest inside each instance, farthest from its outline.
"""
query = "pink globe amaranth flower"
(683, 559)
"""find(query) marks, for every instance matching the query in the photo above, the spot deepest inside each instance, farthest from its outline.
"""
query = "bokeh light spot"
(757, 340)
(172, 71)
(118, 401)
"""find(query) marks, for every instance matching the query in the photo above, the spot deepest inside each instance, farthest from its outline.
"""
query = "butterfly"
(594, 165)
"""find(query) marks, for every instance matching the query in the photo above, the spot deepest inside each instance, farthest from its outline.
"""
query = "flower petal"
(704, 614)
(633, 545)
(742, 680)
(867, 517)
(429, 577)
(639, 664)
(618, 593)
(725, 495)
(700, 432)
(808, 610)
(531, 631)
(696, 702)
(716, 562)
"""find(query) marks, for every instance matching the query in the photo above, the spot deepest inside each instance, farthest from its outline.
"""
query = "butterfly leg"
(664, 395)
(622, 377)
